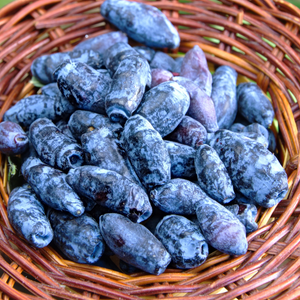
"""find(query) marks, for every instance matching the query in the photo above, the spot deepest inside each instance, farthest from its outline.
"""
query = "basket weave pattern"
(258, 38)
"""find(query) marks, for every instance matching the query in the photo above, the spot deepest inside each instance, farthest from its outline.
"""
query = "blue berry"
(78, 238)
(134, 243)
(183, 240)
(27, 216)
(144, 23)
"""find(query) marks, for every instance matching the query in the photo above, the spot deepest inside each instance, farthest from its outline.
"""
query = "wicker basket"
(259, 39)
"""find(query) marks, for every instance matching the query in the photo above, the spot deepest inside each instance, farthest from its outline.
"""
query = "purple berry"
(13, 139)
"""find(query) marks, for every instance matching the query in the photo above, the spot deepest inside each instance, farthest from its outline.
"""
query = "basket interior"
(260, 40)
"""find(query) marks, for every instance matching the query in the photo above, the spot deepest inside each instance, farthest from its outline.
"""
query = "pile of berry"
(130, 150)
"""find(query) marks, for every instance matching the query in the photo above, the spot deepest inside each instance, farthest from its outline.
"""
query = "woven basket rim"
(246, 32)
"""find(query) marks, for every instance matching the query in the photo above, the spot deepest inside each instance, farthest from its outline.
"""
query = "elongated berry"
(189, 132)
(83, 86)
(255, 172)
(13, 139)
(201, 107)
(27, 215)
(51, 187)
(220, 228)
(178, 196)
(254, 105)
(194, 67)
(53, 147)
(224, 95)
(183, 240)
(44, 66)
(127, 89)
(102, 150)
(143, 23)
(78, 238)
(212, 175)
(33, 107)
(102, 42)
(147, 152)
(111, 190)
(134, 243)
(164, 106)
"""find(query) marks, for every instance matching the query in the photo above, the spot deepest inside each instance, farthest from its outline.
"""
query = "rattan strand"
(260, 39)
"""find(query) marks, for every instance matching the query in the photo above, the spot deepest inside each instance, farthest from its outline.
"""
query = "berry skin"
(102, 42)
(241, 199)
(78, 238)
(31, 108)
(183, 240)
(13, 139)
(182, 160)
(194, 67)
(51, 187)
(83, 86)
(178, 64)
(51, 90)
(201, 107)
(134, 243)
(143, 23)
(146, 52)
(255, 127)
(246, 213)
(62, 125)
(163, 61)
(178, 196)
(237, 127)
(159, 76)
(257, 132)
(44, 66)
(212, 175)
(115, 54)
(127, 89)
(220, 228)
(254, 171)
(82, 121)
(53, 147)
(189, 132)
(253, 105)
(164, 106)
(111, 190)
(256, 137)
(103, 150)
(27, 216)
(147, 152)
(224, 95)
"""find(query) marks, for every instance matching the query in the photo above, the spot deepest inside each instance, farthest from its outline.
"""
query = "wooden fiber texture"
(260, 40)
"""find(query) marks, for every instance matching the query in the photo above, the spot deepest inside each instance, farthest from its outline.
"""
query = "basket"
(259, 39)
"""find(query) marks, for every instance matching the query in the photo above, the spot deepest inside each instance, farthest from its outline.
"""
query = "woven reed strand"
(260, 39)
